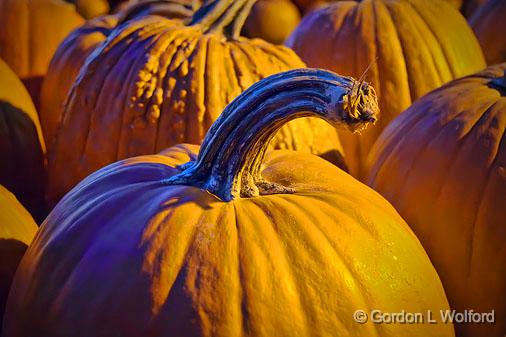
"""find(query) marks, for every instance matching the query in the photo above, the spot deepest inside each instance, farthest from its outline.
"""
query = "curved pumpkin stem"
(223, 16)
(228, 164)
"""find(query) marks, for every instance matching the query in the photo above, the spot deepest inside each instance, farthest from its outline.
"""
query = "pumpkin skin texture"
(64, 68)
(71, 55)
(272, 20)
(176, 80)
(412, 52)
(29, 36)
(489, 26)
(16, 233)
(442, 165)
(171, 259)
(22, 149)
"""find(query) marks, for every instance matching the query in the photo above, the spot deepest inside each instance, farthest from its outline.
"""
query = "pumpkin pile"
(175, 168)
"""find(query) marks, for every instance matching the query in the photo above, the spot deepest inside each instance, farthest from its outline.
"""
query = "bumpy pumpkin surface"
(489, 25)
(30, 34)
(71, 55)
(22, 167)
(150, 247)
(64, 68)
(442, 164)
(176, 79)
(412, 51)
(272, 20)
(17, 230)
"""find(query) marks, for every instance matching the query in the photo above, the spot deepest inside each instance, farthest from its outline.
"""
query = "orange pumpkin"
(176, 78)
(442, 165)
(272, 20)
(151, 246)
(92, 8)
(73, 51)
(489, 25)
(16, 232)
(22, 150)
(30, 34)
(412, 51)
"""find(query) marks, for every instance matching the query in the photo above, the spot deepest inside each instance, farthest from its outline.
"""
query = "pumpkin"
(73, 51)
(442, 165)
(30, 34)
(409, 48)
(176, 78)
(272, 20)
(16, 233)
(489, 26)
(92, 8)
(198, 243)
(22, 149)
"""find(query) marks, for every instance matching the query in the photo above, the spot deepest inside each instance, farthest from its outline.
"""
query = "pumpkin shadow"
(11, 252)
(22, 166)
(335, 157)
(34, 86)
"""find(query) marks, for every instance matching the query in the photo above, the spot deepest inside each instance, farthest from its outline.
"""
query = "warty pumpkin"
(30, 34)
(176, 78)
(489, 25)
(22, 149)
(411, 51)
(73, 51)
(16, 232)
(187, 244)
(272, 20)
(442, 165)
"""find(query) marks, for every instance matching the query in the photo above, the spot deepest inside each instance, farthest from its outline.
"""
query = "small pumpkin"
(22, 149)
(442, 165)
(73, 51)
(16, 232)
(176, 78)
(92, 8)
(187, 244)
(272, 20)
(30, 34)
(489, 25)
(410, 49)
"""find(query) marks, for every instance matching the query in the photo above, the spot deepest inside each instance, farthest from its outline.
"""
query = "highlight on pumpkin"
(226, 168)
(230, 238)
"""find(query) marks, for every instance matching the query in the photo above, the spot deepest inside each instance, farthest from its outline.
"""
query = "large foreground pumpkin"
(70, 56)
(159, 82)
(151, 247)
(442, 165)
(22, 167)
(30, 32)
(17, 230)
(412, 50)
(489, 25)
